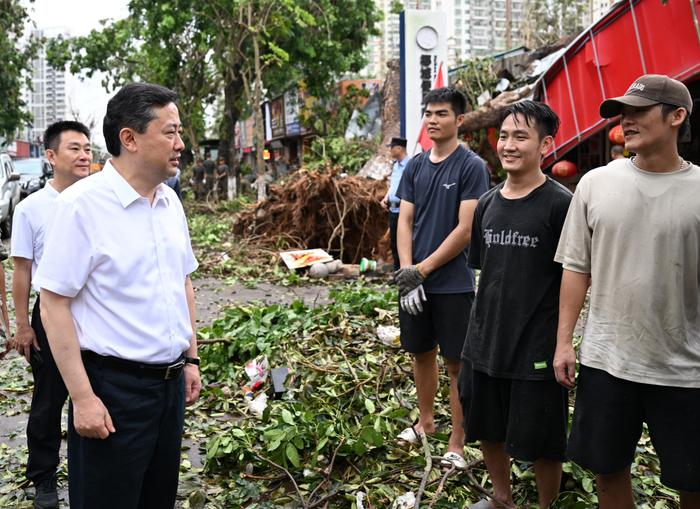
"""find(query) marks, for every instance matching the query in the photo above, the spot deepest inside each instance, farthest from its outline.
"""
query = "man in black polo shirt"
(438, 192)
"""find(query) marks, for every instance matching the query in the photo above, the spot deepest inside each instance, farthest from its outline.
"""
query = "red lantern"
(492, 136)
(564, 169)
(616, 135)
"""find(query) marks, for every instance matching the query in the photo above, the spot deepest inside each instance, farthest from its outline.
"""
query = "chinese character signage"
(291, 112)
(423, 50)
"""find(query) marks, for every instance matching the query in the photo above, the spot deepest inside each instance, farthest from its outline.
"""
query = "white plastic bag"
(389, 335)
(405, 501)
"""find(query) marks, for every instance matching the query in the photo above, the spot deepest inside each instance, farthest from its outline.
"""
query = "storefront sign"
(277, 117)
(291, 112)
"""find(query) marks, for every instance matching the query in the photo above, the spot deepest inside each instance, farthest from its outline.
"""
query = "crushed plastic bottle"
(367, 265)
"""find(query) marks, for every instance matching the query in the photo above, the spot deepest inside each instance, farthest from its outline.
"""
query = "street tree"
(246, 50)
(546, 21)
(15, 66)
(156, 43)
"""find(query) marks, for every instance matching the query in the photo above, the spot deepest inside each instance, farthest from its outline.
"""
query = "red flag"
(423, 139)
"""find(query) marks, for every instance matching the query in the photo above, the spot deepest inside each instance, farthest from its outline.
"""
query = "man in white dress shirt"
(118, 306)
(67, 145)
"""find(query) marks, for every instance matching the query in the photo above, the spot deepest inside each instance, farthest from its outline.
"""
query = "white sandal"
(452, 458)
(410, 437)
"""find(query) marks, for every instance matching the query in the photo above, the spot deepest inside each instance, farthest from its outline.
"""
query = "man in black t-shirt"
(438, 191)
(512, 403)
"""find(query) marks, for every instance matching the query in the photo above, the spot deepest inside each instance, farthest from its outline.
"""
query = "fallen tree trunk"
(379, 167)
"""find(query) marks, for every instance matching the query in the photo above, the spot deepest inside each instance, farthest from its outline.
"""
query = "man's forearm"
(404, 240)
(3, 297)
(454, 244)
(21, 280)
(189, 292)
(60, 330)
(574, 286)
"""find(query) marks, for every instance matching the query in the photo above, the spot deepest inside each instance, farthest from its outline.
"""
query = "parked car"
(9, 194)
(34, 172)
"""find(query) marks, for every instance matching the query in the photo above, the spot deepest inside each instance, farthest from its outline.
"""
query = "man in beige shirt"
(633, 230)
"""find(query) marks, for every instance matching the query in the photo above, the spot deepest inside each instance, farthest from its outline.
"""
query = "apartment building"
(384, 47)
(475, 28)
(483, 27)
(47, 101)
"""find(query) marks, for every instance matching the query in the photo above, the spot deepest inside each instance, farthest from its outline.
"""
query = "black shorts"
(607, 425)
(443, 322)
(529, 416)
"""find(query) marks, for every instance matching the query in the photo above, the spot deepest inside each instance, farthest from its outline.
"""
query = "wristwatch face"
(427, 37)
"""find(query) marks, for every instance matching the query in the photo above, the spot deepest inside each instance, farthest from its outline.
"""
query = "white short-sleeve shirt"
(29, 225)
(124, 261)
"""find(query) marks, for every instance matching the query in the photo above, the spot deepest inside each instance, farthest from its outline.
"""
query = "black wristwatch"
(192, 360)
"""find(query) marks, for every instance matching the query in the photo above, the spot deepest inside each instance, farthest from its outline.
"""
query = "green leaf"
(371, 437)
(238, 433)
(292, 454)
(369, 405)
(287, 417)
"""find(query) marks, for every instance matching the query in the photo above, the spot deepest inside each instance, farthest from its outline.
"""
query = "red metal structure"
(633, 38)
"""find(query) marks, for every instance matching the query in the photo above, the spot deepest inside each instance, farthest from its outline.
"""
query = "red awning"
(633, 38)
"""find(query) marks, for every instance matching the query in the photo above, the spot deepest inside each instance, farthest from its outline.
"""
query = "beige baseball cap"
(648, 90)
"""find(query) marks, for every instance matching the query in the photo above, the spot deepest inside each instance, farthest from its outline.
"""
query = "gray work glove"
(408, 278)
(413, 301)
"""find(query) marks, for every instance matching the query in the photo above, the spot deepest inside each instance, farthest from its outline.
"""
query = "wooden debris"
(488, 115)
(320, 209)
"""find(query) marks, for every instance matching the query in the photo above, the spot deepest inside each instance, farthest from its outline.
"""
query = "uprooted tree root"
(321, 210)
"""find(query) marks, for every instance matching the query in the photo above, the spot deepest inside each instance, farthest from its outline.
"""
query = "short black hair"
(447, 95)
(52, 135)
(617, 149)
(536, 114)
(684, 129)
(132, 107)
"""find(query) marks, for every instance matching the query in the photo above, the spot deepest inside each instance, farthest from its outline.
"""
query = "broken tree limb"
(426, 472)
(488, 115)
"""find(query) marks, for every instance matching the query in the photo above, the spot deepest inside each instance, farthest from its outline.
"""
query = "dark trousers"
(136, 467)
(393, 225)
(48, 397)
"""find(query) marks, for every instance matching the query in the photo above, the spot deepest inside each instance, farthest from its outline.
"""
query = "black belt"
(157, 371)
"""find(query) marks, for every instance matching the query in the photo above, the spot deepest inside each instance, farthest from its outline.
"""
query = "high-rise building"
(47, 101)
(385, 46)
(595, 10)
(475, 28)
(484, 27)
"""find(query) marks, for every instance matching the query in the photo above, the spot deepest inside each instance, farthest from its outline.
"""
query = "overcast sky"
(78, 17)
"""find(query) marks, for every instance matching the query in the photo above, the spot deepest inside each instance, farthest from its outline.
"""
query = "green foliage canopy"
(15, 65)
(204, 48)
